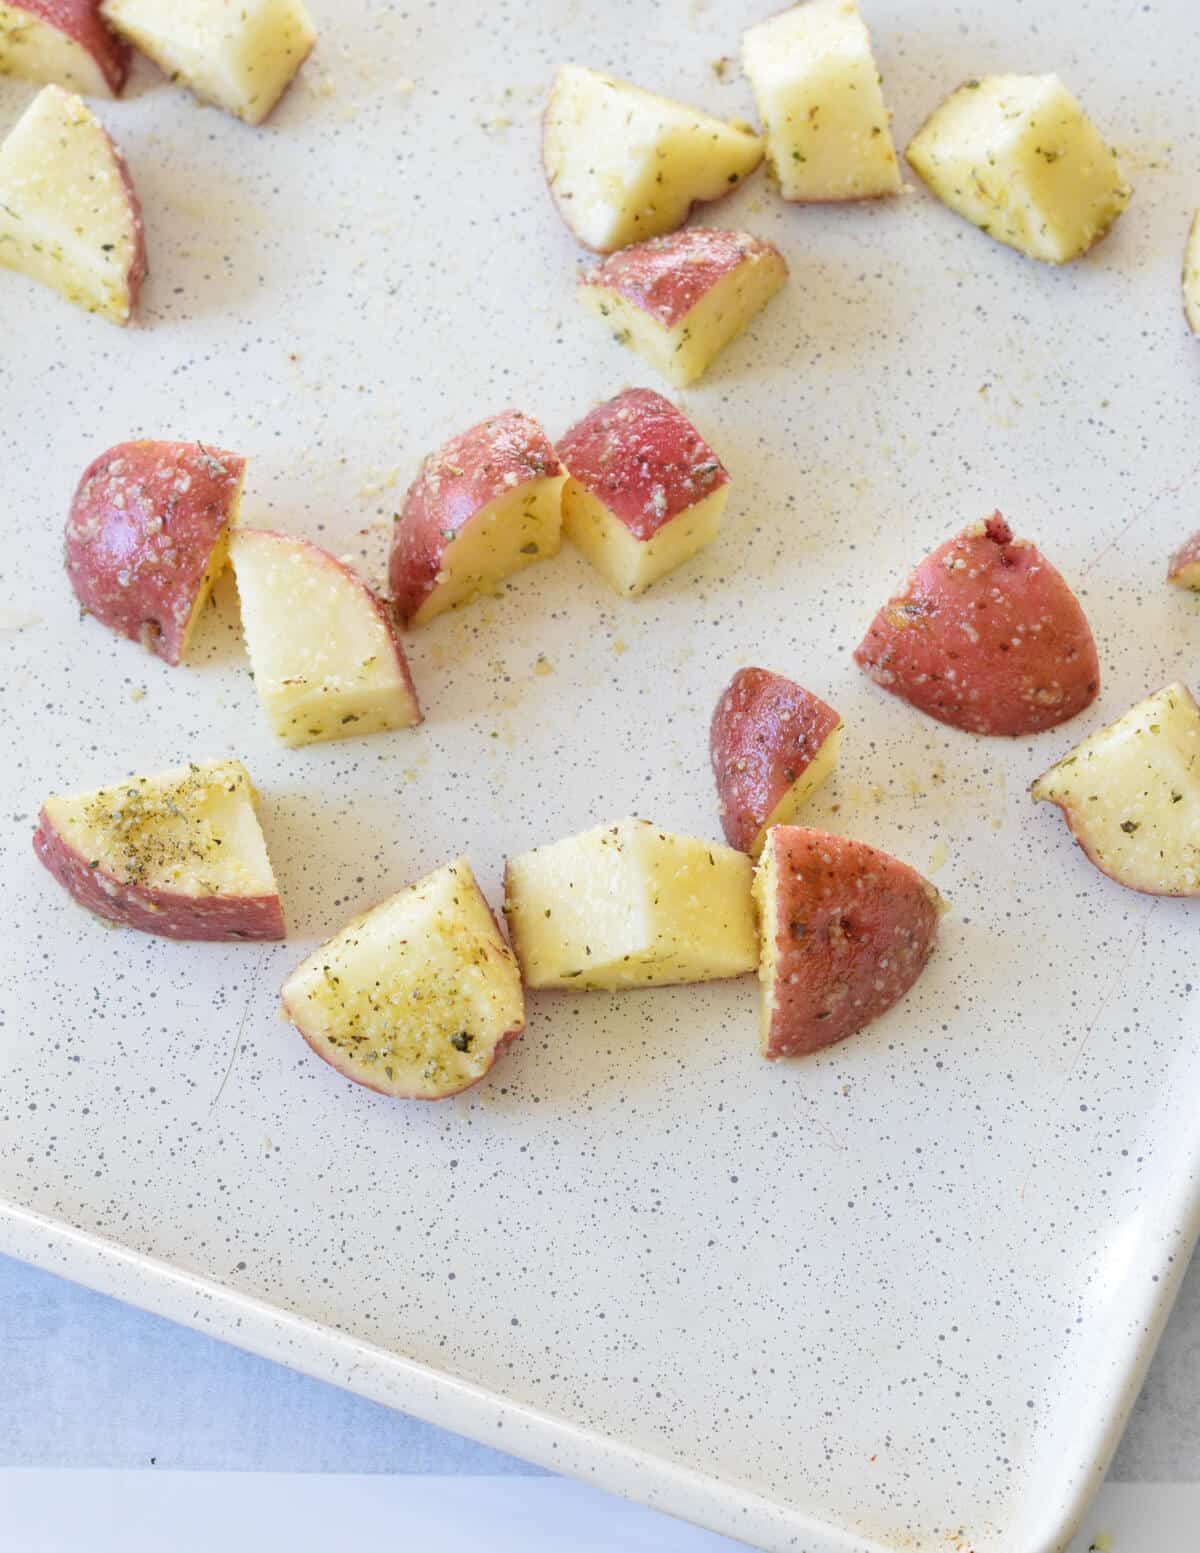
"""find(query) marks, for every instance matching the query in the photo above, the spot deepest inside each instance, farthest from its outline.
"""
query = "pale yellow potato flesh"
(815, 774)
(412, 996)
(684, 352)
(238, 54)
(629, 905)
(1018, 157)
(512, 532)
(818, 90)
(1131, 793)
(631, 565)
(1191, 277)
(325, 662)
(36, 51)
(160, 832)
(764, 893)
(624, 164)
(66, 214)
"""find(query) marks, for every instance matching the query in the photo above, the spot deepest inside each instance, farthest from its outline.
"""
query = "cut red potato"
(179, 854)
(63, 43)
(644, 490)
(846, 931)
(147, 538)
(985, 636)
(623, 164)
(629, 905)
(239, 54)
(1131, 795)
(69, 216)
(324, 648)
(483, 506)
(679, 300)
(1018, 157)
(1191, 276)
(416, 998)
(1183, 569)
(772, 744)
(819, 95)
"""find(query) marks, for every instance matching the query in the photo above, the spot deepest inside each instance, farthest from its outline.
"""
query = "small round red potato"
(65, 42)
(179, 854)
(485, 505)
(772, 743)
(846, 931)
(985, 636)
(417, 997)
(146, 538)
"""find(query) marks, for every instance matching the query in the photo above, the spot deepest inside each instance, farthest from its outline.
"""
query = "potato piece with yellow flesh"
(644, 491)
(179, 854)
(415, 998)
(1018, 156)
(828, 132)
(679, 300)
(69, 216)
(326, 653)
(1131, 795)
(623, 164)
(629, 905)
(239, 54)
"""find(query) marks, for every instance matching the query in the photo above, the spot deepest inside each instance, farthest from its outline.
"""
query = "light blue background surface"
(88, 1382)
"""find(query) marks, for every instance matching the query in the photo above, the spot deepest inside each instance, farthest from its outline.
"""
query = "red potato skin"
(765, 731)
(81, 21)
(667, 276)
(643, 459)
(382, 607)
(214, 918)
(853, 930)
(1184, 566)
(490, 460)
(340, 1062)
(985, 636)
(141, 532)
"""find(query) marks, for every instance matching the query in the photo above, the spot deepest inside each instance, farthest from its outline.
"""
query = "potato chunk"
(679, 300)
(416, 998)
(1131, 795)
(629, 905)
(1018, 156)
(828, 132)
(239, 54)
(623, 164)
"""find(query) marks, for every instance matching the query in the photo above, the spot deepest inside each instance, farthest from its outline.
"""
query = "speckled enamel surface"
(904, 1288)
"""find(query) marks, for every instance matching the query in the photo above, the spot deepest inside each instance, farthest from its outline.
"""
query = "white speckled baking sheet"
(898, 1296)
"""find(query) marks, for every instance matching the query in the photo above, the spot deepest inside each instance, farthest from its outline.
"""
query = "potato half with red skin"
(415, 998)
(1183, 569)
(179, 854)
(65, 42)
(985, 636)
(846, 931)
(486, 504)
(146, 537)
(771, 744)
